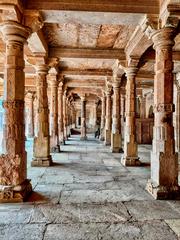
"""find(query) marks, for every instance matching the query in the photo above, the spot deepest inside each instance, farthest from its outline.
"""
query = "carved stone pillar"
(107, 140)
(65, 115)
(122, 115)
(54, 140)
(83, 118)
(103, 114)
(31, 115)
(164, 161)
(178, 112)
(60, 113)
(14, 185)
(142, 107)
(116, 141)
(130, 157)
(42, 155)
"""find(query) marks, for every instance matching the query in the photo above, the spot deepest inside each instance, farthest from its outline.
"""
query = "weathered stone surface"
(149, 210)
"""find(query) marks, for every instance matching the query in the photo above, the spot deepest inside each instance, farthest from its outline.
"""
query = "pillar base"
(42, 162)
(19, 193)
(116, 143)
(130, 161)
(83, 138)
(163, 192)
(107, 140)
(55, 149)
(101, 138)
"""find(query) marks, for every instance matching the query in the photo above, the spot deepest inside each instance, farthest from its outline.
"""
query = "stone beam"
(79, 90)
(126, 6)
(88, 83)
(88, 72)
(87, 53)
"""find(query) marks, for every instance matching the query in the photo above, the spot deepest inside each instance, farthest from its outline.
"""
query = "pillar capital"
(42, 69)
(163, 37)
(83, 98)
(13, 31)
(131, 71)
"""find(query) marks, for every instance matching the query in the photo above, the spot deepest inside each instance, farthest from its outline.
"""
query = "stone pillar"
(178, 112)
(54, 140)
(116, 141)
(130, 157)
(65, 115)
(14, 185)
(103, 114)
(42, 155)
(83, 118)
(122, 115)
(31, 115)
(107, 140)
(142, 107)
(164, 161)
(60, 113)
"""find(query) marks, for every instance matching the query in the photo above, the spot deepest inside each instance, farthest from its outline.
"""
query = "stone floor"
(88, 195)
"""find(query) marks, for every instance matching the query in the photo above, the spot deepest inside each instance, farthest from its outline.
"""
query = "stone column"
(164, 161)
(103, 114)
(60, 113)
(107, 140)
(42, 155)
(142, 107)
(83, 118)
(178, 112)
(54, 140)
(14, 185)
(122, 114)
(130, 157)
(116, 141)
(65, 115)
(31, 115)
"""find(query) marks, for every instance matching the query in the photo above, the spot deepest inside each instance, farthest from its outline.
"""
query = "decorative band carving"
(164, 107)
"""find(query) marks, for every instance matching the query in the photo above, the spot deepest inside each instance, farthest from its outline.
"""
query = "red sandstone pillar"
(31, 115)
(103, 114)
(60, 113)
(54, 140)
(42, 155)
(83, 118)
(14, 185)
(116, 141)
(107, 140)
(130, 157)
(65, 115)
(164, 161)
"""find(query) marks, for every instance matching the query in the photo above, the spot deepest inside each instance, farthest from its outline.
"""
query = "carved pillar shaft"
(60, 113)
(13, 165)
(122, 114)
(164, 160)
(31, 116)
(65, 116)
(83, 118)
(55, 147)
(103, 115)
(130, 157)
(116, 141)
(107, 140)
(42, 141)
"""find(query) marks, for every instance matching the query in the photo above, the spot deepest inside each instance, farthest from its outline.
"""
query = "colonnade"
(14, 185)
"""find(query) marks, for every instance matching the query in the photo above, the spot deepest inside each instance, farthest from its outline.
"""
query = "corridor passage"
(87, 195)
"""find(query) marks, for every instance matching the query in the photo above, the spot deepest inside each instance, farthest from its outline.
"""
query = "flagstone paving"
(88, 194)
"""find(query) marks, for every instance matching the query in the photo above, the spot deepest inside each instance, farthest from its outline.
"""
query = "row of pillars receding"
(14, 185)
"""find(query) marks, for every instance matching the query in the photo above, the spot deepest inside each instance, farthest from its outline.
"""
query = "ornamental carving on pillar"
(164, 107)
(10, 170)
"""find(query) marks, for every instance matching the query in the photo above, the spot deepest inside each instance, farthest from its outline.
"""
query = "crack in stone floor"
(88, 194)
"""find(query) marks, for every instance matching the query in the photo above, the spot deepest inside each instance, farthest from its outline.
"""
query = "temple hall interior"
(89, 120)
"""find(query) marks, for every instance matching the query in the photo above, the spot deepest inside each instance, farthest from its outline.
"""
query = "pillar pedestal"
(164, 160)
(116, 143)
